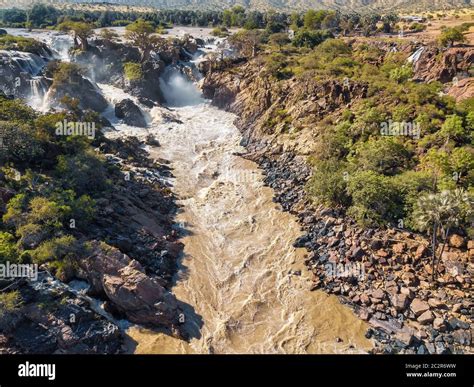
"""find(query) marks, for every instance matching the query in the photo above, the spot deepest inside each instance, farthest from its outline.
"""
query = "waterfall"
(416, 55)
(58, 43)
(60, 46)
(25, 61)
(178, 90)
(38, 90)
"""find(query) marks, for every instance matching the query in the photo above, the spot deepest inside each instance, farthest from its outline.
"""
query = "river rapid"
(246, 285)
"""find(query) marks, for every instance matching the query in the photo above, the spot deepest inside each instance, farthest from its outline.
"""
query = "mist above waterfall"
(178, 90)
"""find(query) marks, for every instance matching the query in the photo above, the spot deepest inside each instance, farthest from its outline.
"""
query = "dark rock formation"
(50, 322)
(78, 87)
(130, 113)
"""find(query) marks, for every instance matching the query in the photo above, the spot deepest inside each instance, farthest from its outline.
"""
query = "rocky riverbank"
(132, 244)
(383, 274)
(131, 258)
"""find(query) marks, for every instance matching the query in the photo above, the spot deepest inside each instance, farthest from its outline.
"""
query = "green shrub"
(84, 173)
(385, 155)
(310, 39)
(401, 74)
(8, 250)
(375, 200)
(220, 32)
(410, 185)
(58, 249)
(21, 143)
(20, 43)
(133, 71)
(328, 182)
(9, 302)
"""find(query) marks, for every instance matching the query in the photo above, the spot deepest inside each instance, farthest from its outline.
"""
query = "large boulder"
(142, 299)
(78, 87)
(130, 113)
(148, 86)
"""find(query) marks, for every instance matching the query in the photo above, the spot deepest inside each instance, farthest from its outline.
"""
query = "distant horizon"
(401, 6)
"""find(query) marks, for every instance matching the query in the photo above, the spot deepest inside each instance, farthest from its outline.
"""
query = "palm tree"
(438, 213)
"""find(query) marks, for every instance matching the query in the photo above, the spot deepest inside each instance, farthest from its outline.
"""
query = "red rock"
(425, 318)
(408, 292)
(364, 314)
(364, 298)
(400, 302)
(457, 241)
(435, 303)
(398, 248)
(419, 307)
(439, 324)
(382, 253)
(378, 294)
(409, 278)
(421, 251)
(450, 256)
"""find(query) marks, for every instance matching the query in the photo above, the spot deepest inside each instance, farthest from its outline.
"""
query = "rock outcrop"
(78, 87)
(50, 322)
(141, 298)
(435, 64)
(130, 113)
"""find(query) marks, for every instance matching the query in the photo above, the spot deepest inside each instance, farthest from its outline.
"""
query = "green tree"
(141, 34)
(374, 198)
(449, 36)
(279, 39)
(81, 32)
(437, 214)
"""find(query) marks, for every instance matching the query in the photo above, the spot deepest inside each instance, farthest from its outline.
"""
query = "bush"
(417, 27)
(9, 302)
(21, 143)
(132, 71)
(449, 36)
(452, 128)
(401, 74)
(65, 72)
(277, 66)
(220, 32)
(310, 39)
(83, 173)
(386, 155)
(9, 42)
(58, 249)
(375, 200)
(8, 250)
(328, 183)
(410, 185)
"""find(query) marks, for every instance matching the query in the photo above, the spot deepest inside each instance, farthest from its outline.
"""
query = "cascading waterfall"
(177, 89)
(38, 89)
(25, 61)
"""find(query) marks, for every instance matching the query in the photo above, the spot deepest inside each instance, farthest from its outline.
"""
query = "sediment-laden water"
(246, 285)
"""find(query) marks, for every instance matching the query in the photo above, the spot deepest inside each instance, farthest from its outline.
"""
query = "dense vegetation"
(381, 178)
(52, 180)
(44, 16)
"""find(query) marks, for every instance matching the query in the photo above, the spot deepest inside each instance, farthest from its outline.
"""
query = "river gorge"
(246, 286)
(207, 237)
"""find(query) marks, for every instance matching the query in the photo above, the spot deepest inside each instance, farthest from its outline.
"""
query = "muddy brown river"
(245, 284)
